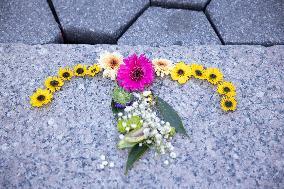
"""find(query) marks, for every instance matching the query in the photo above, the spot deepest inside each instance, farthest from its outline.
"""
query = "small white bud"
(140, 144)
(166, 162)
(103, 157)
(173, 155)
(124, 124)
(121, 136)
(146, 132)
(120, 114)
(104, 163)
(101, 166)
(146, 93)
(111, 164)
(135, 104)
(158, 136)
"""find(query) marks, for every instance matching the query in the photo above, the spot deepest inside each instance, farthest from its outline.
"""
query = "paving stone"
(97, 21)
(189, 4)
(28, 22)
(248, 22)
(59, 146)
(162, 27)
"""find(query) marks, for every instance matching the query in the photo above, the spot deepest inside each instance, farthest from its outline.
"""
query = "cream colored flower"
(110, 62)
(162, 66)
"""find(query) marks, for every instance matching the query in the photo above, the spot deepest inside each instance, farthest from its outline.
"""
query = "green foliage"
(135, 154)
(131, 138)
(120, 96)
(168, 114)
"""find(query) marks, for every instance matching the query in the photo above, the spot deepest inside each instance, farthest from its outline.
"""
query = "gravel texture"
(190, 4)
(163, 27)
(97, 21)
(59, 146)
(248, 22)
(28, 22)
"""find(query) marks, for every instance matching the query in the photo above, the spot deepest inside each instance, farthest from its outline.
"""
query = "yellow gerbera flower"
(110, 62)
(181, 72)
(93, 70)
(228, 103)
(214, 75)
(65, 73)
(227, 88)
(197, 71)
(41, 97)
(53, 83)
(162, 66)
(80, 70)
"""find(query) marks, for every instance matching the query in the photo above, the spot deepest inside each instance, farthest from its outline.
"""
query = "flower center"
(66, 74)
(80, 70)
(162, 64)
(40, 98)
(227, 89)
(93, 70)
(113, 63)
(180, 72)
(54, 83)
(213, 76)
(198, 72)
(137, 74)
(228, 104)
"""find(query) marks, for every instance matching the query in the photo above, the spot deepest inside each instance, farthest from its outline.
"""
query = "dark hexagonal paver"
(190, 4)
(97, 21)
(162, 27)
(28, 22)
(249, 21)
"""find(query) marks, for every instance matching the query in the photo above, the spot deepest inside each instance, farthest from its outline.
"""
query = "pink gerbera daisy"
(135, 73)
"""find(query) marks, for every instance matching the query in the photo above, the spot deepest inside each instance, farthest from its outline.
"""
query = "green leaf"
(134, 154)
(115, 110)
(131, 138)
(170, 115)
(125, 144)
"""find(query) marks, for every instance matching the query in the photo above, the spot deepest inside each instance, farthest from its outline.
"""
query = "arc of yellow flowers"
(180, 72)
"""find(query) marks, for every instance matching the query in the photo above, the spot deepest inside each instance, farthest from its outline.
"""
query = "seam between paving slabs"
(198, 10)
(52, 8)
(212, 23)
(207, 3)
(133, 20)
(176, 7)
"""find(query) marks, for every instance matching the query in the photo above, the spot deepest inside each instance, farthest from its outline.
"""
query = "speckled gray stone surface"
(191, 4)
(59, 146)
(96, 21)
(162, 27)
(28, 22)
(248, 22)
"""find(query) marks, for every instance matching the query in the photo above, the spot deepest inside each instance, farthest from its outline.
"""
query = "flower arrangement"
(144, 120)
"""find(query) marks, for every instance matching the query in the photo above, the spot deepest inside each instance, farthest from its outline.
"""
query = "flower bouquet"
(144, 120)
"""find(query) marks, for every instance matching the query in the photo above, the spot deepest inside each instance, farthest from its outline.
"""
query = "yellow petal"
(182, 80)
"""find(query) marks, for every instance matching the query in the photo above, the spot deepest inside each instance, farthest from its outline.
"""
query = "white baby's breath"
(155, 130)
